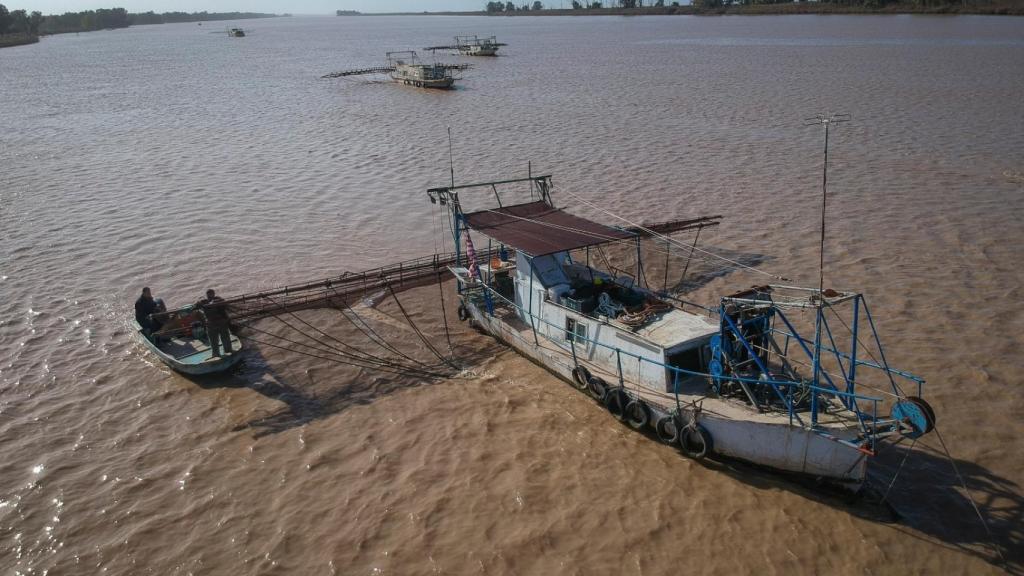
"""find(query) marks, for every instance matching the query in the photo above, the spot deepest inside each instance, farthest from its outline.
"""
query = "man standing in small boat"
(217, 322)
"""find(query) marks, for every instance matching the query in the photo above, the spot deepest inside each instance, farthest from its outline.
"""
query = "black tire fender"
(637, 414)
(615, 401)
(580, 377)
(668, 427)
(463, 313)
(695, 441)
(598, 388)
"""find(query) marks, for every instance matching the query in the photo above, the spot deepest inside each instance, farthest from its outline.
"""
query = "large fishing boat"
(404, 67)
(472, 46)
(737, 380)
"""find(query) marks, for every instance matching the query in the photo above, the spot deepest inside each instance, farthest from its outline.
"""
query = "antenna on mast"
(451, 157)
(828, 120)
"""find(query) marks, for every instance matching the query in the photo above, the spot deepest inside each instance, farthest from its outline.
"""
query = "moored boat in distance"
(472, 46)
(236, 32)
(182, 344)
(737, 380)
(404, 67)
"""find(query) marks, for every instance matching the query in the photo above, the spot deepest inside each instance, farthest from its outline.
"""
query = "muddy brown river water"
(178, 158)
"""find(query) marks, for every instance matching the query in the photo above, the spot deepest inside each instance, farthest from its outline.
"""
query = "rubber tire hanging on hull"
(598, 388)
(695, 442)
(463, 313)
(615, 401)
(667, 434)
(637, 414)
(580, 377)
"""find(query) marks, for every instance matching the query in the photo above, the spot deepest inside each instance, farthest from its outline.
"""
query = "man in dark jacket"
(217, 322)
(145, 306)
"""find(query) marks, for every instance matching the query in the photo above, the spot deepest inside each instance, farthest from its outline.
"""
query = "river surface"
(176, 157)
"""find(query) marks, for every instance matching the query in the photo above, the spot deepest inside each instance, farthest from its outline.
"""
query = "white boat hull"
(777, 445)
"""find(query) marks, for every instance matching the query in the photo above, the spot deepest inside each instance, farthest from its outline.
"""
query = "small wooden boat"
(236, 32)
(182, 344)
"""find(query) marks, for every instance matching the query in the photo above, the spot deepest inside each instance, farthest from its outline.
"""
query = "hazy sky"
(274, 6)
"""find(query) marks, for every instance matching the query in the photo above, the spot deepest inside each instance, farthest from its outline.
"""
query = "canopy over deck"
(538, 229)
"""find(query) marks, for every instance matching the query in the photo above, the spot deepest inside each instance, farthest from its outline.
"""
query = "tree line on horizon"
(511, 7)
(34, 23)
(496, 7)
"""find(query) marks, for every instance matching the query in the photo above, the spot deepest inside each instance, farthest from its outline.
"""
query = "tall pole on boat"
(452, 206)
(827, 120)
(451, 157)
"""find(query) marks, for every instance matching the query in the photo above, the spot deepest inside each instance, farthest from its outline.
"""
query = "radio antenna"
(827, 120)
(451, 157)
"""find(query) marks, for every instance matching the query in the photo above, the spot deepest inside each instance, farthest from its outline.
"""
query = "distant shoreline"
(110, 19)
(17, 39)
(1005, 8)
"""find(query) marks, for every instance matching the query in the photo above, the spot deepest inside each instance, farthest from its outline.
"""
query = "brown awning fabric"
(538, 229)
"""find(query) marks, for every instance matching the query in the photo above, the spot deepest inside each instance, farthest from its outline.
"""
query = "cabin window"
(575, 331)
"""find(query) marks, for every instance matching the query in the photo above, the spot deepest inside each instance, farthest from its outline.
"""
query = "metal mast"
(827, 120)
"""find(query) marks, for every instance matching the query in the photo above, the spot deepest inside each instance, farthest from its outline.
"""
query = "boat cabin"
(592, 312)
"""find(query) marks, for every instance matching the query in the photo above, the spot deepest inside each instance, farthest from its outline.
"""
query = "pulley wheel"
(928, 411)
(913, 413)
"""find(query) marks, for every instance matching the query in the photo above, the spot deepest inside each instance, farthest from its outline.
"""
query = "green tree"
(537, 5)
(35, 19)
(19, 22)
(5, 19)
(510, 7)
